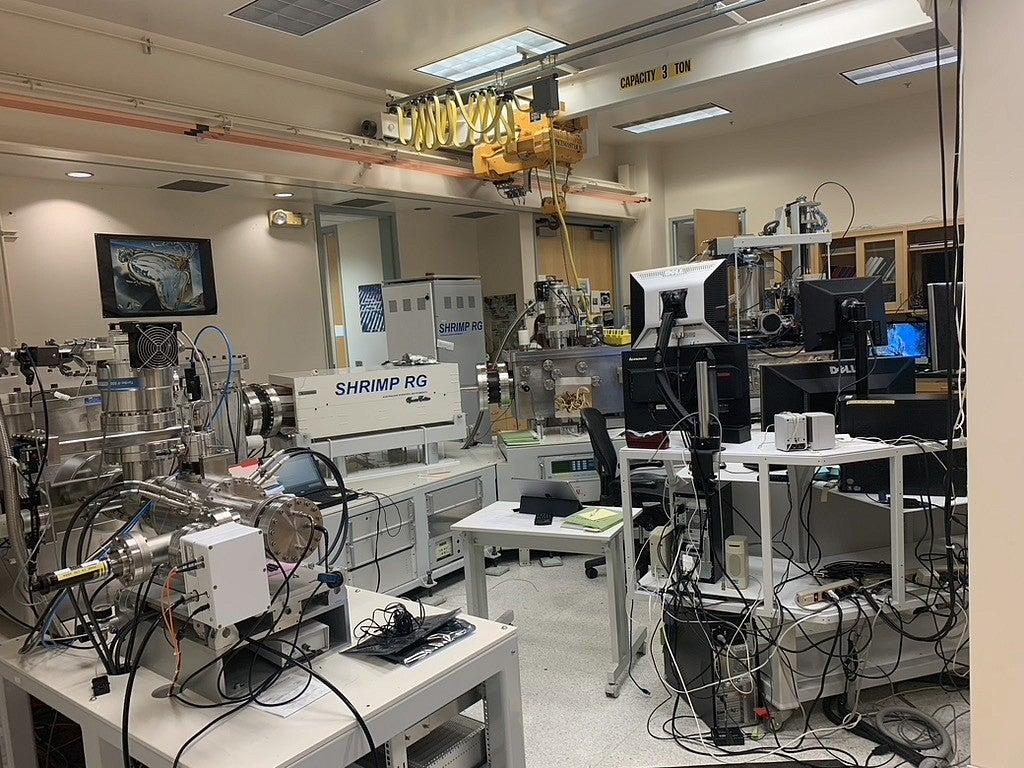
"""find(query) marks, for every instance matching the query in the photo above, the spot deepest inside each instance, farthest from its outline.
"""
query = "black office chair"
(650, 489)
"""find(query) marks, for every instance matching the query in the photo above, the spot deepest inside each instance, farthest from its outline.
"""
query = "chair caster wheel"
(591, 573)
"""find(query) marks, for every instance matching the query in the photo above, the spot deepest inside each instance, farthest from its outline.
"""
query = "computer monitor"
(944, 344)
(906, 340)
(807, 387)
(699, 289)
(301, 476)
(646, 409)
(821, 313)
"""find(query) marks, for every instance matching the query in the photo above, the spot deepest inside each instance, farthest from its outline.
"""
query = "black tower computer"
(645, 406)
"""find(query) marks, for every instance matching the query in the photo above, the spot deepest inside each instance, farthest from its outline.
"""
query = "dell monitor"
(810, 387)
(945, 342)
(698, 294)
(826, 327)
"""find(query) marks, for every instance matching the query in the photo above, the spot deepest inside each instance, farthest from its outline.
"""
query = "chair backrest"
(604, 451)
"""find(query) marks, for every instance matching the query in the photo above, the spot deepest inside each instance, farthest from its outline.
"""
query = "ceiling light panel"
(493, 55)
(298, 17)
(909, 65)
(660, 122)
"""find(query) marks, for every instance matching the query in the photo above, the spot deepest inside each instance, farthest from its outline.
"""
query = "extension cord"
(936, 577)
(825, 592)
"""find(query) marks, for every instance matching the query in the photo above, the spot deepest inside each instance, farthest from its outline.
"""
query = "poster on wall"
(499, 312)
(371, 308)
(143, 276)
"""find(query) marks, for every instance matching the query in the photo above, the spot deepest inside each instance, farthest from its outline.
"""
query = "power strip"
(825, 592)
(936, 577)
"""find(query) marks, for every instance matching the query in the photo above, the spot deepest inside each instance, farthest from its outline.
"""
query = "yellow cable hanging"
(566, 242)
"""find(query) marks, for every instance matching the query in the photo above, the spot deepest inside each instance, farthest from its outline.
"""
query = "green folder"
(594, 519)
(520, 438)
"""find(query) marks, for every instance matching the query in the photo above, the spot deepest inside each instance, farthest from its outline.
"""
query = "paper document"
(288, 689)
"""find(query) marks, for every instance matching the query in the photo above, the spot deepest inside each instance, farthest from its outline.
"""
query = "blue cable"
(146, 509)
(231, 367)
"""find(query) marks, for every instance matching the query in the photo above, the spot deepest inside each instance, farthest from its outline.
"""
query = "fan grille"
(153, 345)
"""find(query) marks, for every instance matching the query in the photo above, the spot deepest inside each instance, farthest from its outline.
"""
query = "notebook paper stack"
(514, 439)
(594, 519)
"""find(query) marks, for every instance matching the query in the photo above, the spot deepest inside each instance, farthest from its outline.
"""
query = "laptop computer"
(301, 476)
(547, 499)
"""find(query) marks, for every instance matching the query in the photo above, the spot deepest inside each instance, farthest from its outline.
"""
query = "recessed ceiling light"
(908, 65)
(690, 115)
(78, 175)
(493, 55)
(284, 195)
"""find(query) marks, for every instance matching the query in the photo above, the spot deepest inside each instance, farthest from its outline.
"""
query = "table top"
(761, 448)
(501, 517)
(251, 737)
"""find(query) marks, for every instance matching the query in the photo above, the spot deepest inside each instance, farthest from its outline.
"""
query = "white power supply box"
(233, 574)
(662, 552)
(821, 431)
(790, 431)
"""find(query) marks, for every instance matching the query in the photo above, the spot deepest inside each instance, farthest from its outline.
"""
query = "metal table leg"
(19, 744)
(98, 752)
(618, 611)
(503, 712)
(476, 579)
(897, 526)
(764, 487)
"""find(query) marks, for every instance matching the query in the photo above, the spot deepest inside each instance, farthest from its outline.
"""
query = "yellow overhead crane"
(533, 144)
(506, 142)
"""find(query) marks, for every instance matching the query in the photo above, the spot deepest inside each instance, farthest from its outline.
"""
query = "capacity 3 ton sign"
(656, 74)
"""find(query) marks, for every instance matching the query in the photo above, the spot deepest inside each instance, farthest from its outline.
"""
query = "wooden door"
(332, 252)
(594, 250)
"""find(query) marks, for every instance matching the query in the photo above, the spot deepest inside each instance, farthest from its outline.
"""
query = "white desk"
(391, 699)
(761, 451)
(499, 525)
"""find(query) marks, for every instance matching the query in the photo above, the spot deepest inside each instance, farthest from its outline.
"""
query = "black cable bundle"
(393, 620)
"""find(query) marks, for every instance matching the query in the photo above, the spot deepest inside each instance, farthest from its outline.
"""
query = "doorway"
(595, 247)
(358, 252)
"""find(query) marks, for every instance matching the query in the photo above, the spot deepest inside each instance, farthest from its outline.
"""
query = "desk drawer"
(446, 506)
(379, 532)
(395, 571)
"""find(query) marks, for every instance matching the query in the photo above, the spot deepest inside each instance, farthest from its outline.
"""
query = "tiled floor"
(565, 656)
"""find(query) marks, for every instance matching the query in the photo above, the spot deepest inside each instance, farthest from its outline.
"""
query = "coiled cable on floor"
(928, 733)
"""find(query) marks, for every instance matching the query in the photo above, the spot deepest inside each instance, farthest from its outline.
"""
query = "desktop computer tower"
(700, 527)
(924, 416)
(709, 655)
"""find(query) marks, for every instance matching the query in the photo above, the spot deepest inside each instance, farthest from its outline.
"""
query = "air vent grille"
(359, 202)
(298, 17)
(192, 185)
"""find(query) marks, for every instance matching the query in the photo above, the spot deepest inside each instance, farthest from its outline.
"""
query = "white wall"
(268, 284)
(886, 154)
(507, 253)
(994, 168)
(360, 248)
(437, 242)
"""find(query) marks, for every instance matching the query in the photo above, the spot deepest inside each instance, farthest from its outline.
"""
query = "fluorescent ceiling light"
(78, 174)
(909, 65)
(284, 195)
(493, 55)
(691, 115)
